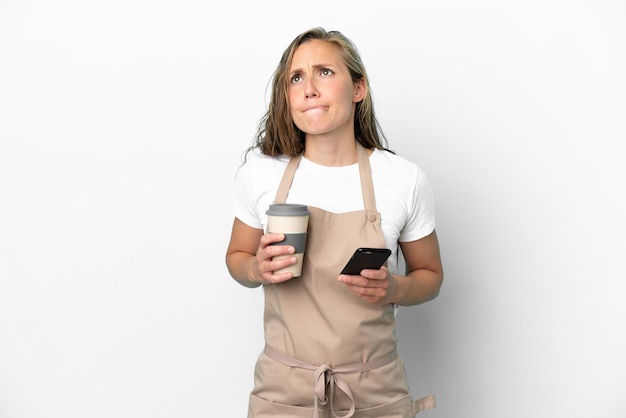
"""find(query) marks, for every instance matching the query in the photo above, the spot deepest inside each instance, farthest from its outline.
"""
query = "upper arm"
(243, 238)
(423, 254)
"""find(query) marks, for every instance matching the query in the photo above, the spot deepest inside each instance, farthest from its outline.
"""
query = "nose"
(310, 89)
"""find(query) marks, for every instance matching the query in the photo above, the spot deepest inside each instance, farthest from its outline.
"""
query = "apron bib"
(327, 350)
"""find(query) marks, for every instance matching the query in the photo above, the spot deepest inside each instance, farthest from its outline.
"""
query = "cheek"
(290, 102)
(352, 93)
(293, 91)
(295, 116)
(343, 93)
(293, 101)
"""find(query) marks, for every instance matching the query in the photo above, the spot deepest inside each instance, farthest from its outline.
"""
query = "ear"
(360, 90)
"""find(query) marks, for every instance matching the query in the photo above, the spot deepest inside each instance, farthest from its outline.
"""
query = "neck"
(331, 153)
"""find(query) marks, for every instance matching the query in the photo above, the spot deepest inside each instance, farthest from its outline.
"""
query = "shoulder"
(256, 181)
(256, 163)
(255, 157)
(393, 166)
(402, 177)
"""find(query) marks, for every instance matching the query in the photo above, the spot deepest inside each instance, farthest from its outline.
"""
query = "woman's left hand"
(376, 286)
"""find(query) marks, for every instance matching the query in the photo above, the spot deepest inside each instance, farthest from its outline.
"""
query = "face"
(322, 96)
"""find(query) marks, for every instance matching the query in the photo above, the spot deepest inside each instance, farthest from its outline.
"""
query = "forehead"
(316, 52)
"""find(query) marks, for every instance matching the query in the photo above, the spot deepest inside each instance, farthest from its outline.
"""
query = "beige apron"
(327, 350)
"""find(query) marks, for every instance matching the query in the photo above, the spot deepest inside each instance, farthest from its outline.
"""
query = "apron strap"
(326, 377)
(367, 184)
(424, 404)
(285, 182)
(365, 173)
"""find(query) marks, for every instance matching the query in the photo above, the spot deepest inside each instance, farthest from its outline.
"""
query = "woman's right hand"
(249, 256)
(266, 263)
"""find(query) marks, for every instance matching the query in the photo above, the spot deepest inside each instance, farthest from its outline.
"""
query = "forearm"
(417, 287)
(241, 268)
(425, 272)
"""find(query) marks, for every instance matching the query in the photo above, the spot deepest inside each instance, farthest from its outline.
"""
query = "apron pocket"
(260, 408)
(400, 408)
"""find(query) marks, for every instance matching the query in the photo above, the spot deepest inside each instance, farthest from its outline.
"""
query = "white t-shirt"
(404, 197)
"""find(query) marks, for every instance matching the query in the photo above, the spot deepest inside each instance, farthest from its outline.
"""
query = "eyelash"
(323, 72)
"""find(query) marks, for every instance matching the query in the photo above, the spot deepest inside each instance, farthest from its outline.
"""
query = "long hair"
(277, 133)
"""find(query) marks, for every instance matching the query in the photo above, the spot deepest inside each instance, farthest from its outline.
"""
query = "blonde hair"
(277, 133)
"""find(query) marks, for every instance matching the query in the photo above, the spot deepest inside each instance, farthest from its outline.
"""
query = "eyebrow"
(315, 67)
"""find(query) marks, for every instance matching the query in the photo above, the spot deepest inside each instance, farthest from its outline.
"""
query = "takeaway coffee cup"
(292, 220)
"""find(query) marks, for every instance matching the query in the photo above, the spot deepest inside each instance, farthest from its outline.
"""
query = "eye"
(296, 78)
(326, 71)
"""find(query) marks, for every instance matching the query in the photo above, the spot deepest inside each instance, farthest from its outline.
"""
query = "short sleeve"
(245, 208)
(255, 187)
(421, 210)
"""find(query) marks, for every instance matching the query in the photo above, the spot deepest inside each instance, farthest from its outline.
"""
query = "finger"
(279, 250)
(271, 238)
(269, 266)
(371, 294)
(280, 262)
(361, 281)
(278, 278)
(380, 274)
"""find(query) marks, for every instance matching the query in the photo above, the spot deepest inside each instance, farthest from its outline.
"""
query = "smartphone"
(366, 258)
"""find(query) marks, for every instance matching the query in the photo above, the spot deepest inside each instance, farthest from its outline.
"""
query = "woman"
(330, 338)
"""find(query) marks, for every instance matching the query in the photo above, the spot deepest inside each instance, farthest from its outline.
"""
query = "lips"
(315, 107)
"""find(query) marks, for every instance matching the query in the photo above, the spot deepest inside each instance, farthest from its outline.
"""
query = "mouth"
(315, 107)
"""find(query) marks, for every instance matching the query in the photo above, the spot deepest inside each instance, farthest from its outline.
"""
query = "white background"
(122, 124)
